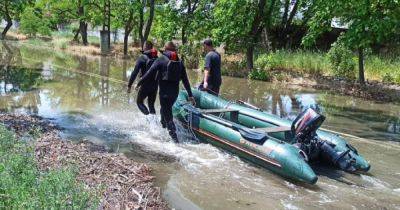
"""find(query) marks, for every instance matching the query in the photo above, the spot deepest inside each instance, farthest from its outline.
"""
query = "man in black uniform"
(212, 69)
(170, 70)
(149, 90)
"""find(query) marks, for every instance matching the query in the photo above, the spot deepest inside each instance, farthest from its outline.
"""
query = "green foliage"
(192, 55)
(368, 21)
(268, 61)
(12, 9)
(188, 21)
(31, 23)
(259, 74)
(388, 78)
(164, 26)
(341, 59)
(22, 186)
(233, 20)
(299, 61)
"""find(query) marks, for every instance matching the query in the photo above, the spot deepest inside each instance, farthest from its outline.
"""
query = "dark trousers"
(150, 94)
(166, 102)
(211, 89)
(214, 90)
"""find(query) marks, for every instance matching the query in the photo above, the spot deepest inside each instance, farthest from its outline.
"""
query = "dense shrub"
(32, 24)
(342, 62)
(298, 61)
(260, 74)
(192, 55)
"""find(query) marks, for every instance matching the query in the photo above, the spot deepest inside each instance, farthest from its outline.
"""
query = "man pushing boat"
(169, 71)
(149, 90)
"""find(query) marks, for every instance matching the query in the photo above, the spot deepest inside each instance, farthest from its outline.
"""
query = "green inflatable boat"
(284, 147)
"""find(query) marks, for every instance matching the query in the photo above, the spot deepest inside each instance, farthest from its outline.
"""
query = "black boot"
(163, 123)
(143, 109)
(172, 131)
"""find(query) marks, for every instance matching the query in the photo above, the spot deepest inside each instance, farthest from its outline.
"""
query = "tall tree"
(10, 10)
(187, 13)
(368, 22)
(144, 28)
(100, 13)
(290, 9)
(240, 23)
(126, 15)
(69, 11)
(189, 20)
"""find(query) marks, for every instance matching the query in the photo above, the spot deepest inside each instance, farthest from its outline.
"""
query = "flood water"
(87, 97)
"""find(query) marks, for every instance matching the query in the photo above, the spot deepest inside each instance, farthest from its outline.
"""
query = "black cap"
(208, 42)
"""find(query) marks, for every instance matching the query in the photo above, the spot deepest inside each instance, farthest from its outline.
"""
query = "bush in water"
(341, 60)
(260, 74)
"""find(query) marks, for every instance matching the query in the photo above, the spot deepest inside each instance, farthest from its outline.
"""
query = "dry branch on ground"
(123, 183)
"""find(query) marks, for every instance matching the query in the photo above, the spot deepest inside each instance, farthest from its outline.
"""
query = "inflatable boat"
(286, 148)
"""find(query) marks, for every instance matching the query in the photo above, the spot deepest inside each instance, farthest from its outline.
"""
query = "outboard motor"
(304, 129)
(341, 159)
(305, 125)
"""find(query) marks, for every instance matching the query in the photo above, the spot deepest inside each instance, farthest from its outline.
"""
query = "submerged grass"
(23, 186)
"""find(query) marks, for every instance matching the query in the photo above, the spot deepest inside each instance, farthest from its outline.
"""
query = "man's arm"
(153, 69)
(207, 68)
(135, 72)
(185, 81)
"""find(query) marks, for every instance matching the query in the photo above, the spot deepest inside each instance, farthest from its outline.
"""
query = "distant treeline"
(243, 26)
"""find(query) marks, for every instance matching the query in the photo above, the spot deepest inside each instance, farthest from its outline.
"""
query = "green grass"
(23, 186)
(299, 61)
(378, 68)
(383, 68)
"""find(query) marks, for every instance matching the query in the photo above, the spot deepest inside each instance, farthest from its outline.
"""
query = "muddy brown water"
(86, 96)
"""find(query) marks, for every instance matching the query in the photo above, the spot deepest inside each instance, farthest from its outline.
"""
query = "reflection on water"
(90, 103)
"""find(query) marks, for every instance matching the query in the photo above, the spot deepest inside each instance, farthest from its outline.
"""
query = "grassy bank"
(377, 68)
(23, 186)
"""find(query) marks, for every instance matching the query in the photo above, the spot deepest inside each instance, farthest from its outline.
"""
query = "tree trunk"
(83, 31)
(9, 22)
(184, 40)
(249, 57)
(82, 24)
(361, 77)
(141, 24)
(128, 30)
(115, 36)
(76, 36)
(254, 34)
(149, 21)
(126, 38)
(8, 26)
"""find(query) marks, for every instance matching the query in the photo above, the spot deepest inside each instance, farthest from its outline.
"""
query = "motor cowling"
(305, 125)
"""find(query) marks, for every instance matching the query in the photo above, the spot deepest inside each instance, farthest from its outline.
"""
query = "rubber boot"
(143, 109)
(163, 123)
(152, 110)
(172, 131)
